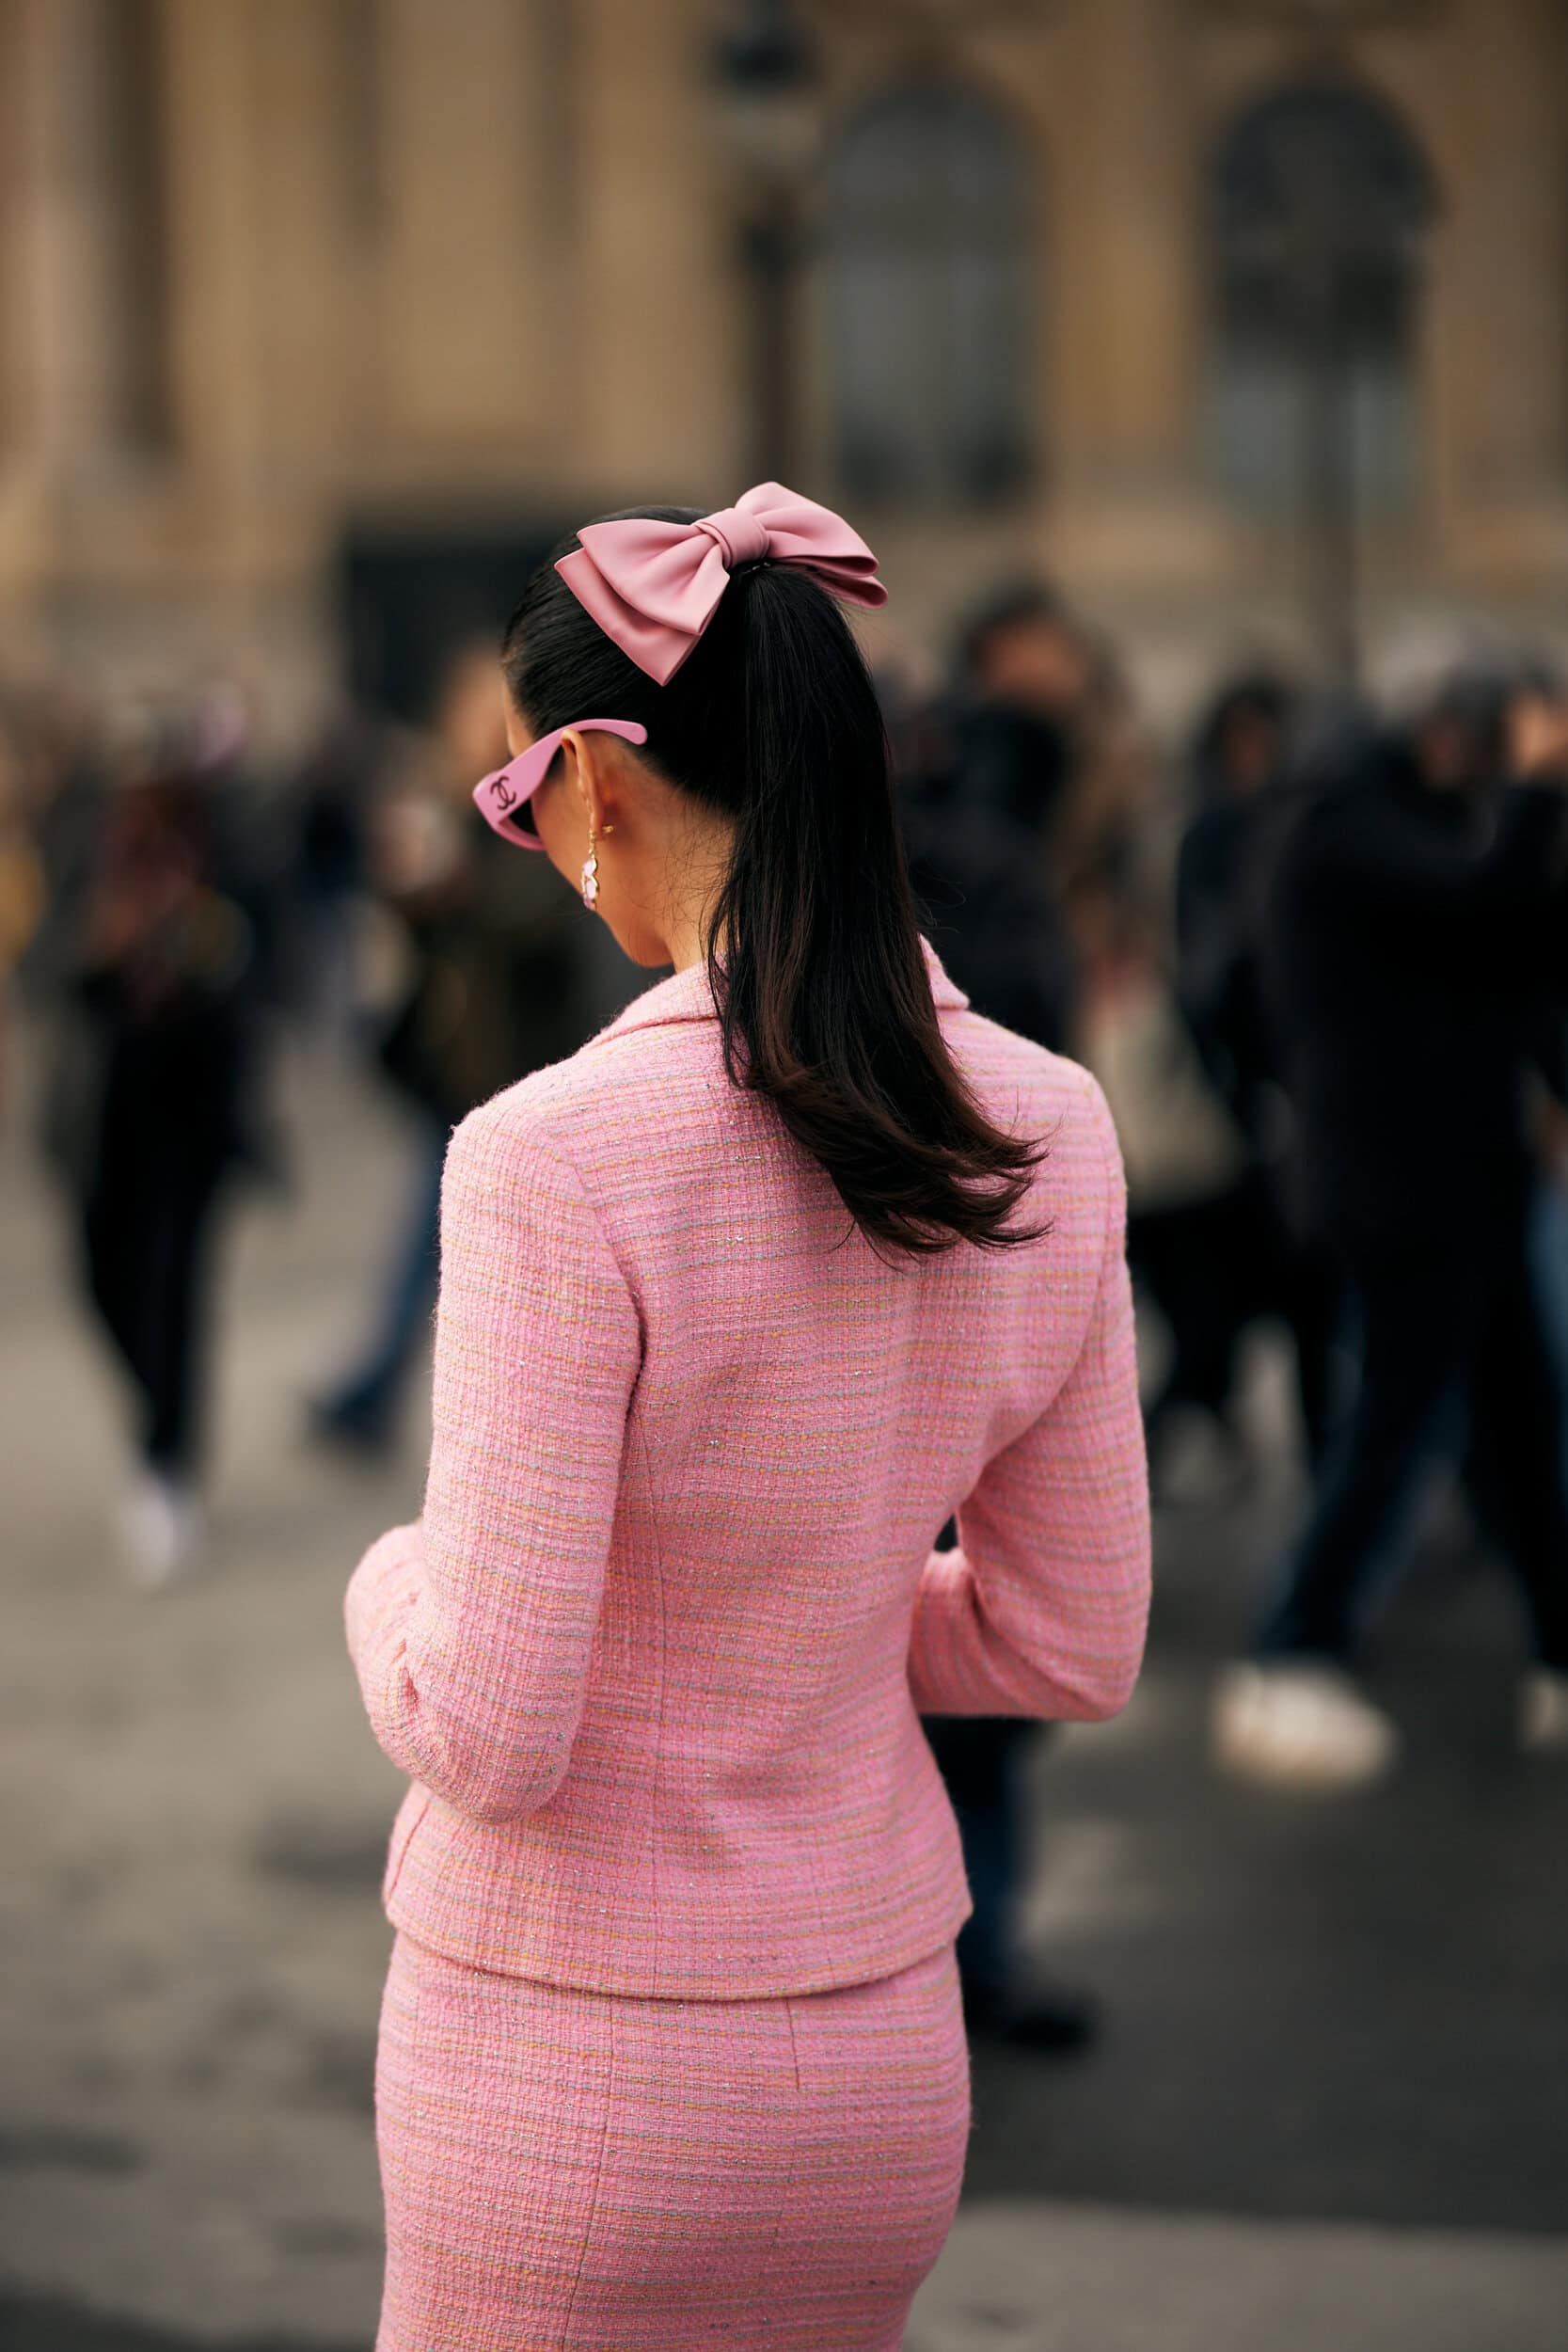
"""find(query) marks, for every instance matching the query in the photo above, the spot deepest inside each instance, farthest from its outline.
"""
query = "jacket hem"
(737, 1982)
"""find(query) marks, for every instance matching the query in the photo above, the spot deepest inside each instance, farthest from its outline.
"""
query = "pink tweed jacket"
(655, 1652)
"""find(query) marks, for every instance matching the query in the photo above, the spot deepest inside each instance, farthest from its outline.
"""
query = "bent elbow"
(1097, 1690)
(1111, 1692)
(486, 1772)
(1104, 1673)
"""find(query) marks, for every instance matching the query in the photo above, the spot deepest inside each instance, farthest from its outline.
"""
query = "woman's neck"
(691, 900)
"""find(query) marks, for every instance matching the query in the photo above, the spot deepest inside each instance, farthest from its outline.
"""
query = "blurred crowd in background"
(318, 322)
(171, 906)
(1317, 954)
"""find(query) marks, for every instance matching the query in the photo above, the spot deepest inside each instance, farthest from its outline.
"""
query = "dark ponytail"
(815, 953)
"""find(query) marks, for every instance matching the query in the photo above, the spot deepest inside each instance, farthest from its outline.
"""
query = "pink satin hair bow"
(654, 587)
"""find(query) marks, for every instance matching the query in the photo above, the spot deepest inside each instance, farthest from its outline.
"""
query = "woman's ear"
(590, 774)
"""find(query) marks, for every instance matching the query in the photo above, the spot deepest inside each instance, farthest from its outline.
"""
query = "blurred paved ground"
(1331, 2114)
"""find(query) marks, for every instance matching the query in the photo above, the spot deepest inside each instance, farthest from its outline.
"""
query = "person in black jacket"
(151, 1107)
(982, 776)
(1213, 1274)
(1417, 937)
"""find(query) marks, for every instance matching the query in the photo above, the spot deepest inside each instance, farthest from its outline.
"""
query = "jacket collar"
(689, 996)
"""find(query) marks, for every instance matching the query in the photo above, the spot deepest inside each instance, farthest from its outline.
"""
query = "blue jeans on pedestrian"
(1455, 1367)
(367, 1399)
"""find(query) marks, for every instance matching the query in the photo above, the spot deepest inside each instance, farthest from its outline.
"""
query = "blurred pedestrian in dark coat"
(1416, 940)
(1539, 743)
(333, 791)
(152, 1106)
(494, 990)
(985, 775)
(1215, 1274)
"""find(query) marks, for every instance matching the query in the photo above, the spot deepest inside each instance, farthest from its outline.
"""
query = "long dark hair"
(815, 952)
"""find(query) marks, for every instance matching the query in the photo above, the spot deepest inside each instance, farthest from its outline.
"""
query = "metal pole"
(770, 252)
(1323, 236)
(765, 69)
(1329, 473)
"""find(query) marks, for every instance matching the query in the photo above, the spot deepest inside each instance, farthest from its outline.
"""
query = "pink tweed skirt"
(568, 2169)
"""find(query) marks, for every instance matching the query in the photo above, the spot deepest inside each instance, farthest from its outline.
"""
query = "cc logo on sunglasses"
(502, 794)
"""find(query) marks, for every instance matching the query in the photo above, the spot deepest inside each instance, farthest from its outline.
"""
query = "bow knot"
(653, 587)
(742, 539)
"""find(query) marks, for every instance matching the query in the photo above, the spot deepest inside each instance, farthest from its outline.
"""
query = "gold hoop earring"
(591, 872)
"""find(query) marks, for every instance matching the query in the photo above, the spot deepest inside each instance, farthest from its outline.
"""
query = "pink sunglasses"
(500, 796)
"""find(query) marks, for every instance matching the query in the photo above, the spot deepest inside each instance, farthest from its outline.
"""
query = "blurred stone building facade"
(1236, 315)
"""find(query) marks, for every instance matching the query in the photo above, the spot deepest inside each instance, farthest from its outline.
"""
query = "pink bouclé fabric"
(564, 2168)
(654, 586)
(653, 1654)
(654, 1658)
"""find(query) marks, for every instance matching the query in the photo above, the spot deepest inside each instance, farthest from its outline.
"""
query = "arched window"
(1320, 200)
(928, 268)
(82, 155)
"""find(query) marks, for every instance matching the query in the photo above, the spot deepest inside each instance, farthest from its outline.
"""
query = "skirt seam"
(593, 2194)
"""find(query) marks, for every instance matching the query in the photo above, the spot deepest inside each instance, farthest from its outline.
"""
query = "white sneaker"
(1299, 1725)
(161, 1531)
(1544, 1712)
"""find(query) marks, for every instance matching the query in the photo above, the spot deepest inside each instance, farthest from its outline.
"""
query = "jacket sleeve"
(471, 1631)
(1042, 1609)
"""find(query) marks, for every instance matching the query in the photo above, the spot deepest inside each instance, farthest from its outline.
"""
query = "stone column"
(1501, 356)
(1127, 321)
(309, 292)
(73, 379)
(472, 348)
(656, 365)
(216, 229)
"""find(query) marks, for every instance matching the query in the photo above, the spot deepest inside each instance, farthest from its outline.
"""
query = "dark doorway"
(410, 598)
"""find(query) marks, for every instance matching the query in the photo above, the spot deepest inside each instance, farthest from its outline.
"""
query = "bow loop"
(654, 587)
